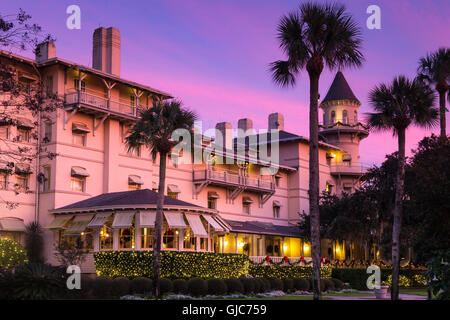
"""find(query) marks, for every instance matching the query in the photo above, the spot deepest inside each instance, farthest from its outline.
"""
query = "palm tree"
(154, 130)
(399, 105)
(314, 36)
(435, 69)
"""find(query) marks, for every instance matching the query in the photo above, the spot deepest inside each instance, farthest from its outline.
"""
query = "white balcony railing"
(99, 102)
(343, 124)
(347, 168)
(225, 177)
(260, 259)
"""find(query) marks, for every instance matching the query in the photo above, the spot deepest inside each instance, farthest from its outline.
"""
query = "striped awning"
(173, 188)
(79, 224)
(135, 180)
(123, 219)
(25, 123)
(80, 127)
(23, 168)
(175, 219)
(12, 224)
(196, 225)
(214, 224)
(79, 171)
(247, 200)
(147, 218)
(59, 222)
(213, 195)
(276, 203)
(99, 220)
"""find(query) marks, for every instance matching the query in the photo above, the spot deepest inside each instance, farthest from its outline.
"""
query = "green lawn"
(416, 291)
(349, 294)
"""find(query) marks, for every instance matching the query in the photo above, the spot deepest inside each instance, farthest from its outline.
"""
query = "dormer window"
(333, 117)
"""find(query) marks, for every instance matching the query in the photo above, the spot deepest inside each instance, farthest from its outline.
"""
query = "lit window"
(85, 240)
(147, 235)
(329, 188)
(78, 183)
(203, 243)
(170, 238)
(126, 238)
(132, 100)
(190, 240)
(83, 85)
(173, 195)
(23, 135)
(4, 132)
(79, 138)
(106, 237)
(134, 186)
(22, 181)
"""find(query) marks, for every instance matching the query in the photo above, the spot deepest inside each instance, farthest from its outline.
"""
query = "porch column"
(96, 240)
(137, 231)
(115, 239)
(236, 243)
(282, 246)
(223, 243)
(302, 243)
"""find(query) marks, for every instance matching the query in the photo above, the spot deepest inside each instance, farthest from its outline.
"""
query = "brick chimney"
(106, 50)
(276, 121)
(245, 124)
(226, 130)
(45, 51)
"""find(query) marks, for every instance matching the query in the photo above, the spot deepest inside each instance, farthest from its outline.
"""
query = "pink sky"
(214, 55)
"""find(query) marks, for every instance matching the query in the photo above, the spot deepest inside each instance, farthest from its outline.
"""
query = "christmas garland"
(345, 124)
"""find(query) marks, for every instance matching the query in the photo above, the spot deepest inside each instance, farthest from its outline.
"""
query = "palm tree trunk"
(442, 112)
(314, 181)
(398, 212)
(158, 226)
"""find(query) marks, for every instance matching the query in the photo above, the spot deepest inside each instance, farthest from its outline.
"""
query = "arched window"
(345, 117)
(333, 117)
(355, 116)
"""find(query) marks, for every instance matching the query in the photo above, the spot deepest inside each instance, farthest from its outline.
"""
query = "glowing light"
(176, 232)
(82, 233)
(240, 244)
(305, 247)
(285, 248)
(225, 243)
(337, 249)
(333, 155)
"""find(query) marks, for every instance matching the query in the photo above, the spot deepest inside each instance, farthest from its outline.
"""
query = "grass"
(350, 294)
(415, 291)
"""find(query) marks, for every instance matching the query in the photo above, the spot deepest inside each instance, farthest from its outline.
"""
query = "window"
(47, 132)
(106, 237)
(85, 240)
(190, 240)
(133, 186)
(173, 195)
(21, 181)
(4, 132)
(246, 207)
(329, 188)
(170, 238)
(78, 183)
(345, 116)
(16, 236)
(126, 238)
(276, 211)
(355, 116)
(277, 181)
(147, 235)
(203, 243)
(132, 100)
(83, 85)
(47, 174)
(23, 135)
(3, 180)
(79, 138)
(49, 85)
(333, 117)
(212, 203)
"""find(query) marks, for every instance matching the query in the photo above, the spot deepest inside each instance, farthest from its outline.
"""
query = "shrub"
(288, 285)
(174, 264)
(87, 286)
(197, 287)
(276, 284)
(180, 286)
(165, 286)
(282, 272)
(329, 284)
(217, 287)
(102, 288)
(338, 284)
(265, 284)
(34, 243)
(141, 285)
(301, 284)
(11, 254)
(234, 286)
(322, 285)
(248, 284)
(258, 285)
(120, 287)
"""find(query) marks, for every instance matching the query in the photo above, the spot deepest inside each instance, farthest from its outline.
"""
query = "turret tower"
(341, 127)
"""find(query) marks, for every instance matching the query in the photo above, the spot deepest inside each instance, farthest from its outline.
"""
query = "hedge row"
(108, 288)
(174, 265)
(357, 278)
(282, 272)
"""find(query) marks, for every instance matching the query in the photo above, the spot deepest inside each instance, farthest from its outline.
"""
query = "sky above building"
(214, 54)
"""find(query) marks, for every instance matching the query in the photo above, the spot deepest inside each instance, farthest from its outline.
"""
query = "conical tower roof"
(340, 90)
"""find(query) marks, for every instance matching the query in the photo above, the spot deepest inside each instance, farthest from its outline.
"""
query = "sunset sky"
(214, 54)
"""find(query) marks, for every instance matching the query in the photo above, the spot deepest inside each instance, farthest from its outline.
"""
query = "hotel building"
(96, 191)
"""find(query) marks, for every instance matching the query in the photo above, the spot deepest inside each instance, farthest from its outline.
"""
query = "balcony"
(347, 125)
(345, 168)
(92, 103)
(232, 180)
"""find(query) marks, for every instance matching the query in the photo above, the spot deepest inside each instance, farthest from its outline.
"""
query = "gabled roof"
(264, 228)
(340, 90)
(143, 198)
